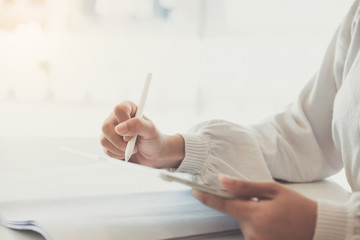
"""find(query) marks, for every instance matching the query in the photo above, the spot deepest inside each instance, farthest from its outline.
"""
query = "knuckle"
(211, 201)
(138, 124)
(120, 109)
(103, 141)
(109, 153)
(128, 103)
(201, 198)
(106, 128)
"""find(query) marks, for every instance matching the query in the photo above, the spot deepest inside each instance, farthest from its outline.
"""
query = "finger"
(136, 126)
(113, 155)
(108, 130)
(239, 207)
(109, 146)
(125, 111)
(115, 140)
(248, 189)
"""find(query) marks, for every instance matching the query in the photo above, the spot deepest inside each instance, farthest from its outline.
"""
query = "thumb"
(136, 126)
(246, 189)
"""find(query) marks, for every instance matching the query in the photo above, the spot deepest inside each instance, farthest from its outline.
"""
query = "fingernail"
(126, 138)
(121, 128)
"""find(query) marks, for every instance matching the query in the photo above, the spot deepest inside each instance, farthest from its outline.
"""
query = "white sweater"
(311, 140)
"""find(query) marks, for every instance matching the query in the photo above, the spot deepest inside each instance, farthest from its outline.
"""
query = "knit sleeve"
(337, 221)
(219, 146)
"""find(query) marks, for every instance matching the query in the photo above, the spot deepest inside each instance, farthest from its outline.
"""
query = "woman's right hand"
(152, 148)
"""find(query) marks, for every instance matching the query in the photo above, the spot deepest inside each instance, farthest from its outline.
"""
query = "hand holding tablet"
(176, 177)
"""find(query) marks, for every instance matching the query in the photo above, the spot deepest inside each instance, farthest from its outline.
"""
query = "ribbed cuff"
(334, 221)
(196, 153)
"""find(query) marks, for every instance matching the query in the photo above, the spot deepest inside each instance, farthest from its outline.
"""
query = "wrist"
(174, 151)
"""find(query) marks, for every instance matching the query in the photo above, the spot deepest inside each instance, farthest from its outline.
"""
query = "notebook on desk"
(104, 201)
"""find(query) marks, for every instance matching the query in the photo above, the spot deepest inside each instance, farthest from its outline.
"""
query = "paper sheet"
(104, 200)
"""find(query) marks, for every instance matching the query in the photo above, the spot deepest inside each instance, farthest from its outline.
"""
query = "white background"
(65, 64)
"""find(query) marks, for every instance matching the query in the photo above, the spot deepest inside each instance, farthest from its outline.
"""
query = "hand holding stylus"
(151, 147)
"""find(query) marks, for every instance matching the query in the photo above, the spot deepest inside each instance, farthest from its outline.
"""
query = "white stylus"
(139, 113)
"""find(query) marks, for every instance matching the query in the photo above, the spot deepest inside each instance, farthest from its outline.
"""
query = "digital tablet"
(189, 181)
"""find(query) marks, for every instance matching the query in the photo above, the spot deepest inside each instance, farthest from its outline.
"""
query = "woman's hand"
(276, 213)
(152, 148)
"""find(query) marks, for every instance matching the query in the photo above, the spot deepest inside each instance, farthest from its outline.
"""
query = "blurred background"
(64, 64)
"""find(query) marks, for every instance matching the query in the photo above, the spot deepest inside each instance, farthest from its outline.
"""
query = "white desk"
(44, 152)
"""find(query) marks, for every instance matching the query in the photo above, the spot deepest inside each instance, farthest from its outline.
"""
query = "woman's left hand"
(277, 213)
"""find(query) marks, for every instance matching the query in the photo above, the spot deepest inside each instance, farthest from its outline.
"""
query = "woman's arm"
(296, 145)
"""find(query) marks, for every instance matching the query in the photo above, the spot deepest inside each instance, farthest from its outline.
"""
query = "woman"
(311, 140)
